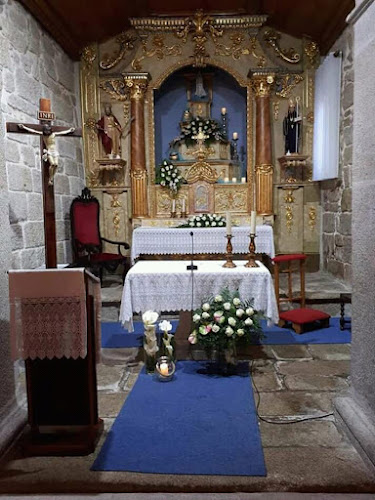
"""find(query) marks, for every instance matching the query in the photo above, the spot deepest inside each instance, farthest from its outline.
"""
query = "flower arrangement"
(169, 176)
(168, 339)
(150, 341)
(224, 321)
(211, 128)
(205, 220)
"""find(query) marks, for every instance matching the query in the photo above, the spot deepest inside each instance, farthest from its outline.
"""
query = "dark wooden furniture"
(87, 243)
(345, 298)
(302, 318)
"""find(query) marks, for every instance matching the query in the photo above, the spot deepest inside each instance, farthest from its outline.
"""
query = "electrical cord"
(303, 419)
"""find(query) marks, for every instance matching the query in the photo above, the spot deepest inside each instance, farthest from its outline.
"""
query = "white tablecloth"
(211, 240)
(167, 286)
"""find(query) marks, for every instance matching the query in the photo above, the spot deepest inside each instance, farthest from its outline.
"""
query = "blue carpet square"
(195, 424)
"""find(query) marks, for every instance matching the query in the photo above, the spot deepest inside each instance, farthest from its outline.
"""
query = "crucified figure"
(50, 152)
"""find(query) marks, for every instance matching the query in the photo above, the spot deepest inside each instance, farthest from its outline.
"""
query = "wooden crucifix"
(49, 163)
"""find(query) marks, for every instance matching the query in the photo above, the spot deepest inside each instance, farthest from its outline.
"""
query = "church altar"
(212, 240)
(167, 287)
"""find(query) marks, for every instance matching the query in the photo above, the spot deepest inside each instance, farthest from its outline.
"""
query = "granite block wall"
(32, 65)
(337, 193)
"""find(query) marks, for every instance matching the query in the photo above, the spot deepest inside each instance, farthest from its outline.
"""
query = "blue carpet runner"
(195, 424)
(114, 335)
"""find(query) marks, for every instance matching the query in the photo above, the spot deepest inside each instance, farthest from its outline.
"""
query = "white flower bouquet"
(169, 177)
(211, 129)
(224, 321)
(205, 220)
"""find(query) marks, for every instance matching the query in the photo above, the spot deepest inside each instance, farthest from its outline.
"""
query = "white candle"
(235, 135)
(229, 223)
(226, 179)
(163, 368)
(253, 222)
(173, 205)
(243, 180)
(234, 179)
(223, 111)
(183, 205)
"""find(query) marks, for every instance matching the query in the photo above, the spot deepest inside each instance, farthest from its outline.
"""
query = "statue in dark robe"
(292, 129)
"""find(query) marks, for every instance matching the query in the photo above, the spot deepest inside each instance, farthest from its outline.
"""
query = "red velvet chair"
(87, 243)
(304, 317)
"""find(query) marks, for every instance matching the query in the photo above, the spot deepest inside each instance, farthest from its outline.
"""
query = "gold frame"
(150, 110)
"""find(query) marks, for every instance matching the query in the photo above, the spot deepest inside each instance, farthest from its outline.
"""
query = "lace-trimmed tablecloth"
(48, 313)
(167, 286)
(162, 241)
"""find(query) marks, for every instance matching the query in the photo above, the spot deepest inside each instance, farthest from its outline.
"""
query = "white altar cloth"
(210, 240)
(167, 286)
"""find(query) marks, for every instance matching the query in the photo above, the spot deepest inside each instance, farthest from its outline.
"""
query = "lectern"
(55, 328)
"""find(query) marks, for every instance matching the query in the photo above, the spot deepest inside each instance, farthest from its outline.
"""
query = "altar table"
(167, 286)
(208, 240)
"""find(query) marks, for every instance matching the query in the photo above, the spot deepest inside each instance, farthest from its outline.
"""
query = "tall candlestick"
(253, 222)
(229, 223)
(173, 205)
(254, 194)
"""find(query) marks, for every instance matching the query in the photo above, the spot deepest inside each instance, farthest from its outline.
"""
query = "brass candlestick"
(183, 215)
(229, 255)
(251, 262)
(173, 215)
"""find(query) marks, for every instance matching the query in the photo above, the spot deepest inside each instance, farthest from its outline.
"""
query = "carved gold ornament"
(116, 88)
(289, 217)
(276, 107)
(126, 42)
(116, 222)
(286, 83)
(238, 48)
(231, 199)
(158, 49)
(262, 84)
(312, 53)
(289, 198)
(137, 85)
(201, 171)
(289, 55)
(264, 168)
(88, 56)
(312, 218)
(115, 203)
(310, 117)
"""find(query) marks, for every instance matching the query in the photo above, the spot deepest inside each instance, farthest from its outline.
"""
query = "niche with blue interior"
(171, 101)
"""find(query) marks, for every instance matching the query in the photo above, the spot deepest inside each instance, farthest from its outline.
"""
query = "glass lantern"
(165, 369)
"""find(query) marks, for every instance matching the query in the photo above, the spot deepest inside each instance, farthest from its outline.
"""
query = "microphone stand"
(191, 266)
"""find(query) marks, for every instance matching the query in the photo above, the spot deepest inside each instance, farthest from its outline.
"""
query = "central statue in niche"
(202, 138)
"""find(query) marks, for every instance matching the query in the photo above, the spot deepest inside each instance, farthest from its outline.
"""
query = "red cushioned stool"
(302, 318)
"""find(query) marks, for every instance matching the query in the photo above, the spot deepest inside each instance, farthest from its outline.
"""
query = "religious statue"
(50, 152)
(110, 132)
(292, 127)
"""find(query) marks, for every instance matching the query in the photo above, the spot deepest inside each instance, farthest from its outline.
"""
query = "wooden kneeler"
(302, 318)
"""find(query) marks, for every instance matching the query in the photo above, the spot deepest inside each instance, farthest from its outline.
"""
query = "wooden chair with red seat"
(87, 243)
(302, 318)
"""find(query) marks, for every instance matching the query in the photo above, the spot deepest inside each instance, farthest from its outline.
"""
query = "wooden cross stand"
(61, 392)
(49, 163)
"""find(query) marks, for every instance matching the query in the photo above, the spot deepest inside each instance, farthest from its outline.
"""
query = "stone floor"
(290, 383)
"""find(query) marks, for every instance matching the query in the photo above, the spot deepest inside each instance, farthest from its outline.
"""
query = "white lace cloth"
(162, 241)
(167, 286)
(48, 316)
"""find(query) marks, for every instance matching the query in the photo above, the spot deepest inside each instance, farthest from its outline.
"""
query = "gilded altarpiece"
(118, 81)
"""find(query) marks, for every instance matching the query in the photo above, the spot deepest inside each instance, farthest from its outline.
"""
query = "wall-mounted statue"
(110, 132)
(292, 127)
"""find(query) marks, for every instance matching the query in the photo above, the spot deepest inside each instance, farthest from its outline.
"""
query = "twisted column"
(262, 84)
(137, 83)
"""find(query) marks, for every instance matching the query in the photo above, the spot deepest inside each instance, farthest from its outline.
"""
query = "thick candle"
(243, 180)
(223, 111)
(234, 179)
(229, 223)
(235, 135)
(183, 205)
(253, 221)
(173, 205)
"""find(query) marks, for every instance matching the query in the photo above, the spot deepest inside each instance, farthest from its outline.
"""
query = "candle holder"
(173, 215)
(235, 156)
(229, 254)
(165, 369)
(224, 125)
(183, 215)
(251, 262)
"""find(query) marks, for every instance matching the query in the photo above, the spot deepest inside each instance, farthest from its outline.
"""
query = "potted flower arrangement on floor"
(221, 324)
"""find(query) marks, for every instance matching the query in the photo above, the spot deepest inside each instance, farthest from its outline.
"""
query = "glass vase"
(150, 348)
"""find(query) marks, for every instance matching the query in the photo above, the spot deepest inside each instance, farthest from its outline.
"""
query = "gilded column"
(262, 84)
(137, 83)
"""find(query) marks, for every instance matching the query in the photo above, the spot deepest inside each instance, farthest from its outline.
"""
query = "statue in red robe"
(110, 132)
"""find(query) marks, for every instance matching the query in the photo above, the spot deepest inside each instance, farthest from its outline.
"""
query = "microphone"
(191, 266)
